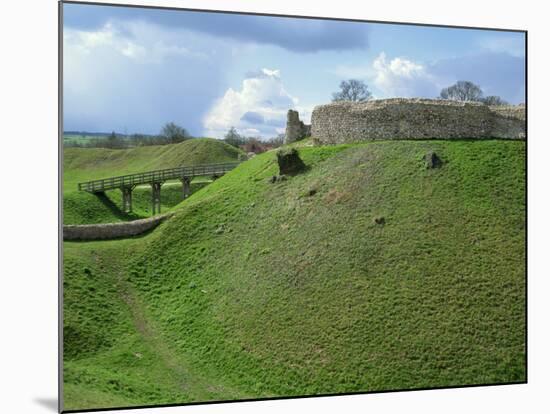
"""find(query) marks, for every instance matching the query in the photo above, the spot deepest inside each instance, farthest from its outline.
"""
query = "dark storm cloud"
(299, 35)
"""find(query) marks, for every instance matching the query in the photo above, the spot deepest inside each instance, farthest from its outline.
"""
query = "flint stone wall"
(295, 129)
(384, 119)
(111, 230)
(509, 121)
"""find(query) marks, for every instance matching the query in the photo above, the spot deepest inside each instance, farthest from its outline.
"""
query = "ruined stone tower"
(295, 129)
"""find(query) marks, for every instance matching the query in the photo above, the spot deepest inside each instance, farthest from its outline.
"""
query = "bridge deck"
(157, 176)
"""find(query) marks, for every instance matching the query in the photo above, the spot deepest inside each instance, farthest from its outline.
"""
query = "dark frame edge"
(60, 406)
(526, 322)
(344, 19)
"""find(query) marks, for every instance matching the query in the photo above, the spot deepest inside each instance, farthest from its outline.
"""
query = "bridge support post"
(156, 197)
(186, 187)
(127, 199)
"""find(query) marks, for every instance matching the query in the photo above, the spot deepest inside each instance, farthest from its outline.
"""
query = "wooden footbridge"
(127, 183)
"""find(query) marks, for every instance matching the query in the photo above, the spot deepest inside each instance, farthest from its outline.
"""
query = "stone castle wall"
(111, 230)
(341, 122)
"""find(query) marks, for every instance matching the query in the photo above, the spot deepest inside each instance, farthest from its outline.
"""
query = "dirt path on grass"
(149, 334)
(193, 385)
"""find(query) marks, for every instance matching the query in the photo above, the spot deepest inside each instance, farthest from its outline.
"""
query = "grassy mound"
(366, 272)
(83, 164)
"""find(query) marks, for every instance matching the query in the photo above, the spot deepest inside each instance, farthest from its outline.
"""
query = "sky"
(132, 70)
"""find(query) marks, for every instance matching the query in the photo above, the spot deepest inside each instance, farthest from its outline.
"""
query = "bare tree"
(277, 141)
(352, 90)
(114, 140)
(462, 91)
(232, 137)
(494, 100)
(173, 133)
(253, 144)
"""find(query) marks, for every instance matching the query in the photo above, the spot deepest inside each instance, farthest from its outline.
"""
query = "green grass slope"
(83, 164)
(80, 207)
(255, 289)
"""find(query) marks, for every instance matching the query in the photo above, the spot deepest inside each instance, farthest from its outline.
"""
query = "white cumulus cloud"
(499, 73)
(139, 41)
(400, 77)
(393, 77)
(258, 108)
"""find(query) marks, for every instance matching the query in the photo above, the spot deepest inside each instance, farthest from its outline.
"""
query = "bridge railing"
(156, 176)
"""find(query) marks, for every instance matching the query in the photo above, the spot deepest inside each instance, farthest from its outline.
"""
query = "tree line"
(357, 91)
(252, 144)
(170, 133)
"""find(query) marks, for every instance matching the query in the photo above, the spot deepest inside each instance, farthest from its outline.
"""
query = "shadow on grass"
(114, 209)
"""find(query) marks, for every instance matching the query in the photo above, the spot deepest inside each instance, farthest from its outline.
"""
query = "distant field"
(80, 139)
(256, 289)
